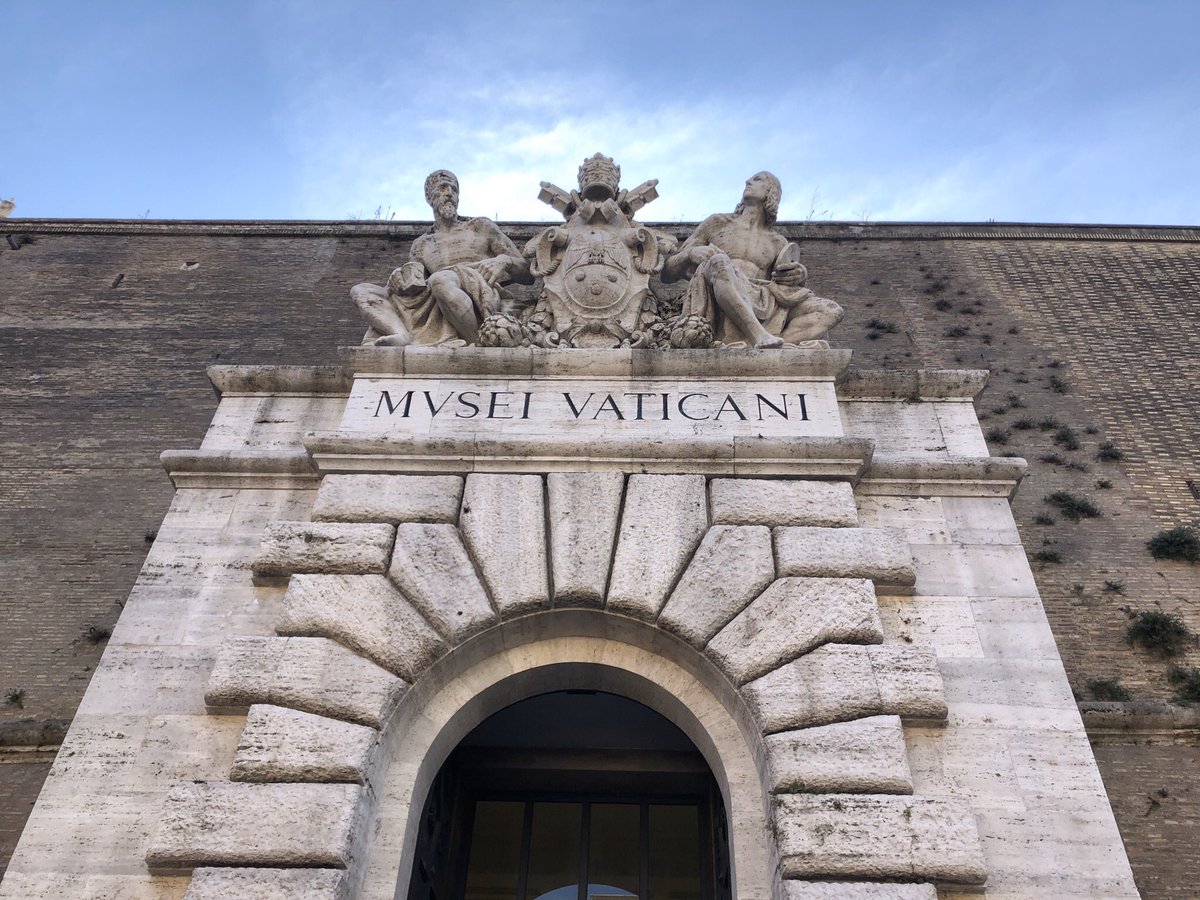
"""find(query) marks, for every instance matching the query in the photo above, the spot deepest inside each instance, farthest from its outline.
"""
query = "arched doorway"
(573, 795)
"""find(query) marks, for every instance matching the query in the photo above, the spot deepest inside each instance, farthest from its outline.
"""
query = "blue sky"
(965, 111)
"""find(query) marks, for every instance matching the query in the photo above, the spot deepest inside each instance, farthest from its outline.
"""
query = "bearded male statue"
(748, 280)
(451, 282)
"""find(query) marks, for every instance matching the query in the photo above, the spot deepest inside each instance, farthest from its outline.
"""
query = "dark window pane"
(674, 853)
(613, 850)
(554, 851)
(495, 850)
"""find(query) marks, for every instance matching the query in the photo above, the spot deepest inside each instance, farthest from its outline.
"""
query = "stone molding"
(374, 602)
(911, 385)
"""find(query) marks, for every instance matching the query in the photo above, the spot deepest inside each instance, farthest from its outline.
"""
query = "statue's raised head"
(441, 176)
(599, 178)
(765, 188)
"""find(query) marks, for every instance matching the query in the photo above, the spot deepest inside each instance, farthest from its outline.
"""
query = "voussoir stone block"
(268, 884)
(864, 756)
(388, 498)
(878, 837)
(664, 519)
(840, 682)
(730, 568)
(365, 613)
(231, 824)
(881, 554)
(503, 522)
(310, 674)
(329, 547)
(756, 501)
(792, 617)
(431, 567)
(584, 511)
(856, 890)
(280, 744)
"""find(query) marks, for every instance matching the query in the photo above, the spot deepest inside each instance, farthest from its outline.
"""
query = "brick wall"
(105, 330)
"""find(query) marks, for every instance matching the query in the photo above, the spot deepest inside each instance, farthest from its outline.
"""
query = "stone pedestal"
(812, 571)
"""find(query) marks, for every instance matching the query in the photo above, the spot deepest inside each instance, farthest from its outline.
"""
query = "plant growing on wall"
(1153, 629)
(1177, 543)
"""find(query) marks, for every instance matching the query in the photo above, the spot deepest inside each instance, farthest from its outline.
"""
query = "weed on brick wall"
(1072, 506)
(1108, 689)
(1179, 543)
(1187, 684)
(1153, 629)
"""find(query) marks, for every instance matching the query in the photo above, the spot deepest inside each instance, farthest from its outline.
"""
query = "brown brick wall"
(104, 338)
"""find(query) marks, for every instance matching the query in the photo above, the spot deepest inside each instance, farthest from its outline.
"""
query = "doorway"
(573, 795)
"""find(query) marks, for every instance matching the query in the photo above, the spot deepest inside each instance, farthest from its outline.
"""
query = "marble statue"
(748, 281)
(452, 281)
(596, 266)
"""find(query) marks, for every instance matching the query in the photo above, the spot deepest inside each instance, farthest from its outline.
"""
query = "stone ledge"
(856, 890)
(223, 824)
(792, 617)
(878, 836)
(912, 385)
(334, 548)
(279, 380)
(895, 474)
(839, 458)
(1138, 717)
(388, 498)
(841, 682)
(239, 468)
(268, 884)
(535, 362)
(880, 554)
(286, 745)
(865, 756)
(310, 674)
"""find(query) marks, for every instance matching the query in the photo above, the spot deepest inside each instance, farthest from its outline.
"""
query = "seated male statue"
(749, 281)
(450, 283)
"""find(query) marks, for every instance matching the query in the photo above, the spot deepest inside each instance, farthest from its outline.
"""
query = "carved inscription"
(650, 407)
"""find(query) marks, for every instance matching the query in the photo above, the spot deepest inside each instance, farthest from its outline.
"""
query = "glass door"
(550, 849)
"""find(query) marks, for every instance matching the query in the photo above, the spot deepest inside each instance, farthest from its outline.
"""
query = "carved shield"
(596, 272)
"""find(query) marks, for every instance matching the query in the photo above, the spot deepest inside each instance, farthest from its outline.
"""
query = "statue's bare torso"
(462, 244)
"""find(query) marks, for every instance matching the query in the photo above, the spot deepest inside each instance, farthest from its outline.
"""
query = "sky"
(959, 110)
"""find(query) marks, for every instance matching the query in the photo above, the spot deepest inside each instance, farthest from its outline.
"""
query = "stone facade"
(951, 611)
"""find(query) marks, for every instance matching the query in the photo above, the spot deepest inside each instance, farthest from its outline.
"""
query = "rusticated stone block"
(877, 836)
(665, 516)
(881, 554)
(310, 674)
(268, 884)
(365, 613)
(503, 522)
(731, 567)
(755, 501)
(431, 567)
(865, 756)
(279, 744)
(584, 512)
(840, 682)
(792, 617)
(388, 498)
(329, 547)
(229, 824)
(856, 890)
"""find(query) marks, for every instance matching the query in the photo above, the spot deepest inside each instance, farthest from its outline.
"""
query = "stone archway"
(742, 610)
